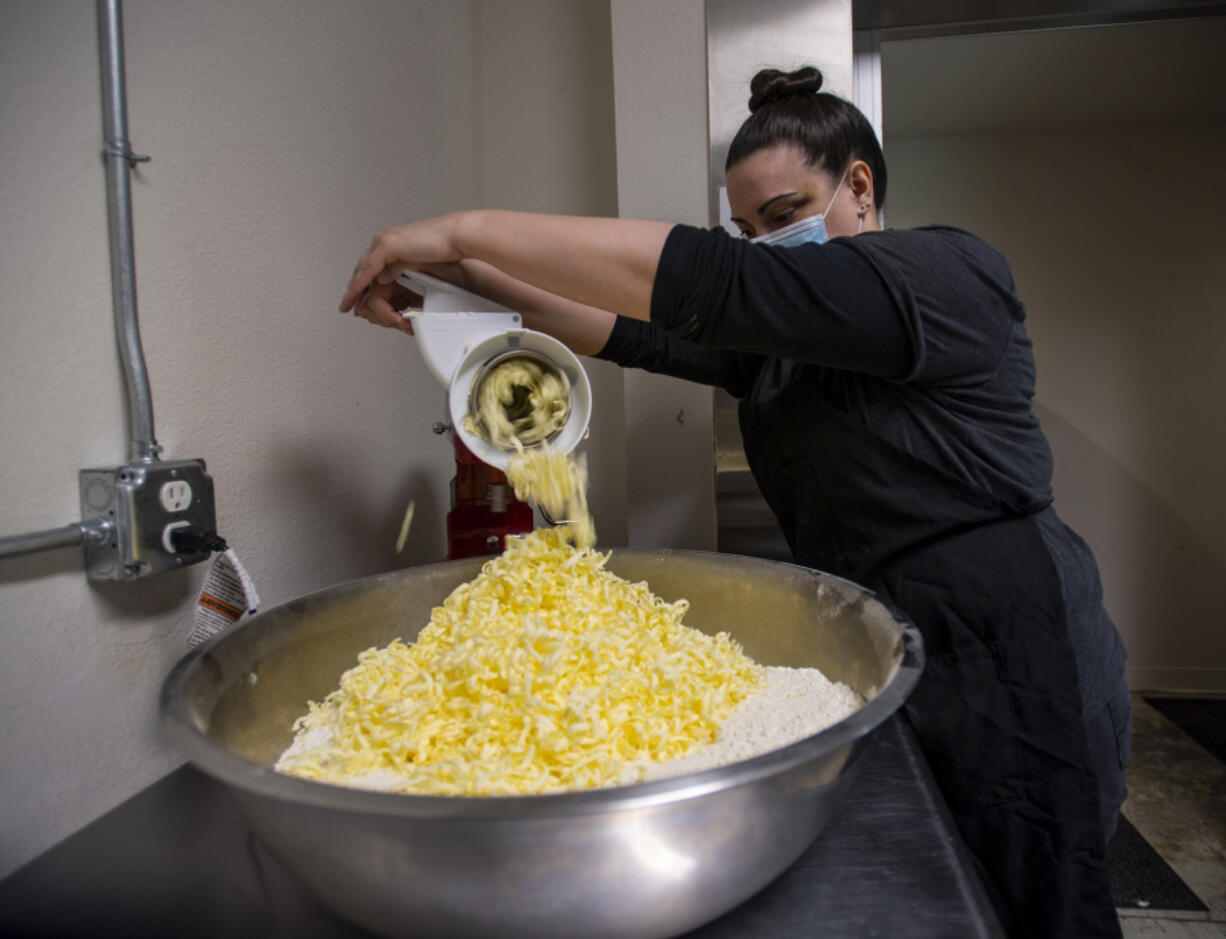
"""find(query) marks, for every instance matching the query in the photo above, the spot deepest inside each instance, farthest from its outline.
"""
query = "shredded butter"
(521, 403)
(545, 673)
(557, 482)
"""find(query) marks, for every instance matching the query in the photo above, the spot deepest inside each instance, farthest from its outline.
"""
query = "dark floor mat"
(1202, 719)
(1140, 879)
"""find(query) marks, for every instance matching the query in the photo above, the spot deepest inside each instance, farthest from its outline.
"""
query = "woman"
(885, 383)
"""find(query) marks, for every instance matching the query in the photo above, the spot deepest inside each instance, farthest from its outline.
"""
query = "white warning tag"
(227, 594)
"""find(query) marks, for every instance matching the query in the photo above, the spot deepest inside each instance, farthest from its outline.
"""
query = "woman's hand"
(372, 291)
(381, 304)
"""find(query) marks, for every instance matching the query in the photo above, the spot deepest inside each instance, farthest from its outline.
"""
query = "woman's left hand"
(417, 245)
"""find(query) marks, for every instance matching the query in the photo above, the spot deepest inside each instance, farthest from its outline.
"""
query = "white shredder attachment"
(460, 334)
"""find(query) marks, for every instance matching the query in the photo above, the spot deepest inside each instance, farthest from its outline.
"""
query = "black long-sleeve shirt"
(919, 336)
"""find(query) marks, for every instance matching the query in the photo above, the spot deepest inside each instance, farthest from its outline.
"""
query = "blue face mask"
(807, 230)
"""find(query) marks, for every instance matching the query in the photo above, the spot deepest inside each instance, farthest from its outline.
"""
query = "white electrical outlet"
(175, 496)
(144, 503)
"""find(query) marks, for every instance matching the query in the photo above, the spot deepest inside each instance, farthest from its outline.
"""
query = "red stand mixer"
(484, 509)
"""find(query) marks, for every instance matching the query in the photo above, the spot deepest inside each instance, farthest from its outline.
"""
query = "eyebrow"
(765, 205)
(783, 195)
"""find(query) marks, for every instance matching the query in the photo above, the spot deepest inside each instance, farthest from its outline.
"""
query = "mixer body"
(484, 509)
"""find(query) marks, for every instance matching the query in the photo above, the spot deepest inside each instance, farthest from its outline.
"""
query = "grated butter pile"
(544, 673)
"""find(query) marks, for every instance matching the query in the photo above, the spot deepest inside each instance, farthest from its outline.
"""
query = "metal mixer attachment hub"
(524, 395)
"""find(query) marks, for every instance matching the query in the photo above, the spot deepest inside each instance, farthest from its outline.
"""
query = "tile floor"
(1177, 800)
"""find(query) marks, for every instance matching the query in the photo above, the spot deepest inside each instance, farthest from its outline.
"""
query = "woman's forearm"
(598, 263)
(585, 329)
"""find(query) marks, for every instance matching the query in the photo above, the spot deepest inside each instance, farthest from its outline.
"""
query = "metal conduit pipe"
(119, 163)
(117, 152)
(70, 536)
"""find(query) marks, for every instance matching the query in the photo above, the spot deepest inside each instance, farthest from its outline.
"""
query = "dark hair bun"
(771, 85)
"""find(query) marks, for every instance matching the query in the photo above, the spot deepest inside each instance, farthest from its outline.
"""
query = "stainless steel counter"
(179, 860)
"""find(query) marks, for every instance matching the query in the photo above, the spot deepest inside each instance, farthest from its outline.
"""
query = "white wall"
(547, 144)
(660, 93)
(1116, 240)
(281, 137)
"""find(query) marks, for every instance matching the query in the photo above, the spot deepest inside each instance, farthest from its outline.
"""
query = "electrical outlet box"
(145, 502)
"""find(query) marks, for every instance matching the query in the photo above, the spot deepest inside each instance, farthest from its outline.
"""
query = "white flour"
(796, 703)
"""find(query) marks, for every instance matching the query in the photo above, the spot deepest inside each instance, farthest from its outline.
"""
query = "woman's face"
(774, 187)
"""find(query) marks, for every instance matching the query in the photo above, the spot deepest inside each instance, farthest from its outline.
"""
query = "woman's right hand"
(381, 304)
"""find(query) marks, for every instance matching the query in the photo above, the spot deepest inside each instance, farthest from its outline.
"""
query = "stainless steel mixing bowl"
(654, 859)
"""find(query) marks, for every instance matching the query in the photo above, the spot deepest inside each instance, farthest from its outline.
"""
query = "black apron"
(998, 709)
